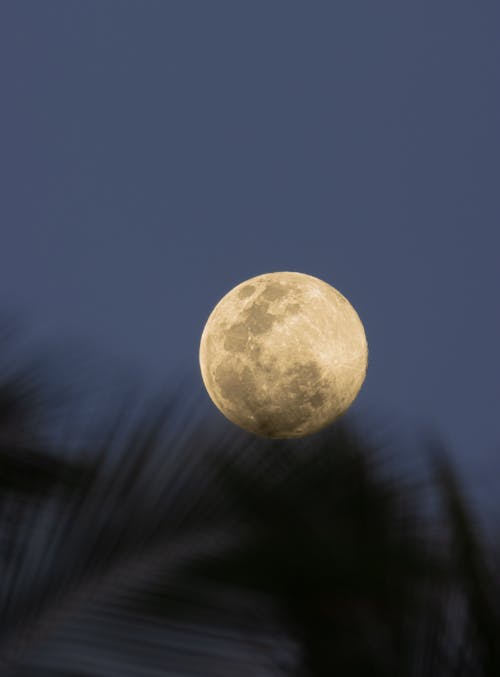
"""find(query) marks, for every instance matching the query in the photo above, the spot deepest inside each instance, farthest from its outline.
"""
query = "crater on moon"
(245, 291)
(283, 354)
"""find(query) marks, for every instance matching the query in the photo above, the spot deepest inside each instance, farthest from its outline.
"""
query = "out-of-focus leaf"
(472, 567)
(173, 551)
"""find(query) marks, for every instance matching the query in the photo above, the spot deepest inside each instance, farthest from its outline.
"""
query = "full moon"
(283, 355)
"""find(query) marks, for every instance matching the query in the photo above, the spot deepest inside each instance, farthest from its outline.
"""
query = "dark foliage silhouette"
(169, 548)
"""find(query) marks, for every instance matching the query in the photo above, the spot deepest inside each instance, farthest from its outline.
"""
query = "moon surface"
(283, 354)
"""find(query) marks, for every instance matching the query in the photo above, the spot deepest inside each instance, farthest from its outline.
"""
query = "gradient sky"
(153, 154)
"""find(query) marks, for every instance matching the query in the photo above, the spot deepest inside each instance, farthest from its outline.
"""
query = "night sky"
(153, 154)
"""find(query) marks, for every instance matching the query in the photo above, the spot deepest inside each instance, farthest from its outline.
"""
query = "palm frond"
(168, 548)
(471, 566)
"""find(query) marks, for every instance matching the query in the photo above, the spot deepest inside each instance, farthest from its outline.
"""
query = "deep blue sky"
(155, 153)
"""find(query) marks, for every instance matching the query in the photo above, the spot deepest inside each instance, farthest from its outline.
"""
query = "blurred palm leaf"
(90, 546)
(168, 550)
(472, 568)
(339, 548)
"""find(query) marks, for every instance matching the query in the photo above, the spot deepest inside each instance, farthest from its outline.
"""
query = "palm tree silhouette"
(171, 549)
